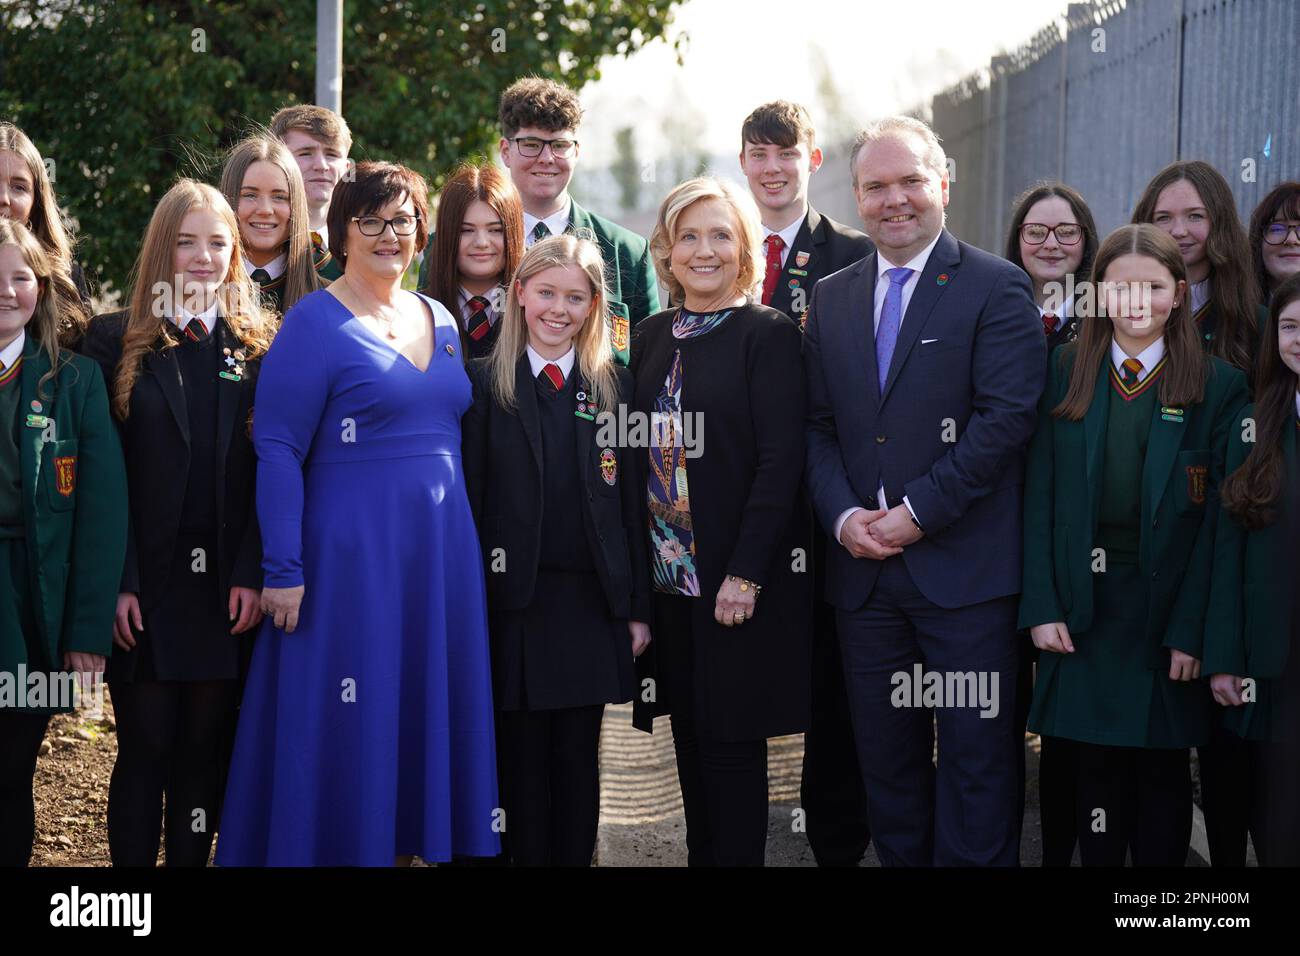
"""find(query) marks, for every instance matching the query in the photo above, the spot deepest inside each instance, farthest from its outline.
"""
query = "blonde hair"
(58, 306)
(748, 226)
(154, 271)
(300, 276)
(46, 220)
(595, 359)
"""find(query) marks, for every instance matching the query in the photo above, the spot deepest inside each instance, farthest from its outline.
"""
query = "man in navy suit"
(925, 363)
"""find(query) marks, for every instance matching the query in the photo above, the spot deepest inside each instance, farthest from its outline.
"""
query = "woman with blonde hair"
(263, 185)
(720, 378)
(182, 361)
(570, 609)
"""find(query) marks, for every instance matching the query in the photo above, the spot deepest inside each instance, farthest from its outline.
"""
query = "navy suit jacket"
(949, 431)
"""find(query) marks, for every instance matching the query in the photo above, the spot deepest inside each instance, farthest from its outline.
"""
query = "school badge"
(801, 258)
(618, 332)
(1196, 483)
(65, 475)
(609, 466)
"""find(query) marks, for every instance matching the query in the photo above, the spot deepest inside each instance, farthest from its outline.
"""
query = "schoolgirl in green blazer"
(1252, 625)
(62, 520)
(1120, 507)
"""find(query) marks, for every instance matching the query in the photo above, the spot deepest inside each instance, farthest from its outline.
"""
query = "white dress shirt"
(565, 362)
(324, 234)
(787, 236)
(275, 268)
(1063, 315)
(1149, 357)
(207, 317)
(556, 222)
(11, 352)
(495, 296)
(1200, 294)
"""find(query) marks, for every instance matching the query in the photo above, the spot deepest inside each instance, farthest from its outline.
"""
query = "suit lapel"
(584, 437)
(31, 440)
(943, 260)
(1163, 443)
(163, 365)
(526, 405)
(862, 325)
(783, 295)
(228, 395)
(1094, 434)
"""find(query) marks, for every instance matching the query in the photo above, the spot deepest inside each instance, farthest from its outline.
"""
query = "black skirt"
(563, 650)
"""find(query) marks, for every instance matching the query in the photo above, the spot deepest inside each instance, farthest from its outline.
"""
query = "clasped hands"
(879, 534)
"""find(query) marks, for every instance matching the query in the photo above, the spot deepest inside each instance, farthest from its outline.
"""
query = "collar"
(493, 295)
(275, 268)
(208, 317)
(917, 263)
(788, 234)
(1149, 357)
(1200, 294)
(13, 350)
(565, 361)
(556, 222)
(1297, 404)
(1063, 315)
(324, 234)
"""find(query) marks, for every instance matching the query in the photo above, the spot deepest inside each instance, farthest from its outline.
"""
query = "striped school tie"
(1049, 323)
(478, 318)
(552, 376)
(1129, 370)
(196, 331)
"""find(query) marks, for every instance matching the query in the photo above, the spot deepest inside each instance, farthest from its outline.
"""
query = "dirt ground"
(71, 790)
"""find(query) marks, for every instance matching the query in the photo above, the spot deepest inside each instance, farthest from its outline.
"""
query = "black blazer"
(155, 440)
(746, 381)
(502, 460)
(825, 246)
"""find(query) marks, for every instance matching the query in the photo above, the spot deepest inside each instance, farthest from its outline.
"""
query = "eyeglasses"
(531, 146)
(375, 225)
(1276, 233)
(1067, 233)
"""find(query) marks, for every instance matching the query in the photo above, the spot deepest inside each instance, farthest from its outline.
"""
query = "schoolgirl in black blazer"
(561, 530)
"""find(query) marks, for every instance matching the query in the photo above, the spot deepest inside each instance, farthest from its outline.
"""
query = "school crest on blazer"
(1196, 478)
(65, 475)
(609, 466)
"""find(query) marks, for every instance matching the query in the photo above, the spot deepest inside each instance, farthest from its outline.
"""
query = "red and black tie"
(196, 331)
(551, 376)
(775, 245)
(1049, 323)
(477, 322)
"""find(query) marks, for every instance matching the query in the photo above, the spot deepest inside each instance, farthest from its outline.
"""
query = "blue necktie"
(891, 317)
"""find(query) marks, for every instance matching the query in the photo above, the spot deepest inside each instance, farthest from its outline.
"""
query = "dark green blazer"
(1180, 480)
(74, 510)
(1248, 625)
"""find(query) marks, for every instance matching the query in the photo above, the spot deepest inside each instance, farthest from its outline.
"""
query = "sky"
(880, 57)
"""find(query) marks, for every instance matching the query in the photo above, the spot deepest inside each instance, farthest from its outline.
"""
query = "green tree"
(122, 96)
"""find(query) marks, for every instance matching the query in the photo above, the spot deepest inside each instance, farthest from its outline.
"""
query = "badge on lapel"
(234, 371)
(618, 332)
(609, 466)
(801, 258)
(1170, 414)
(65, 475)
(586, 409)
(1196, 475)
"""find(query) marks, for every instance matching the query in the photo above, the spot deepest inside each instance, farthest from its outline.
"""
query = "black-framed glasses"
(1067, 233)
(531, 146)
(375, 225)
(1276, 233)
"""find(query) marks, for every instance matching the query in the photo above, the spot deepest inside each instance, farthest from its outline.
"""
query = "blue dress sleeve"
(292, 390)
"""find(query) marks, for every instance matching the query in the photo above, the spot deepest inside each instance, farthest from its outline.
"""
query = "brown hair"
(324, 124)
(1233, 296)
(46, 222)
(58, 304)
(1082, 213)
(153, 284)
(1251, 492)
(779, 123)
(484, 182)
(1282, 202)
(749, 238)
(594, 359)
(372, 187)
(544, 104)
(1183, 381)
(300, 276)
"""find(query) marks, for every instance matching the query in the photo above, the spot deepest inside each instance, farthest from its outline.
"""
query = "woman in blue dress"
(366, 731)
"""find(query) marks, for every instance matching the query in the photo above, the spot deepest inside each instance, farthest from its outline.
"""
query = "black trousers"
(830, 790)
(21, 733)
(547, 761)
(1227, 780)
(1276, 811)
(171, 738)
(1133, 799)
(1057, 791)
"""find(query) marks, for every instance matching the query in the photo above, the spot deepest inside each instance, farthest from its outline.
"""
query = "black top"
(199, 368)
(561, 548)
(820, 247)
(745, 381)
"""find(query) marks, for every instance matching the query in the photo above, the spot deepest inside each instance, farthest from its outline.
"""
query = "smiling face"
(387, 255)
(706, 254)
(481, 256)
(1282, 261)
(900, 198)
(556, 302)
(1140, 294)
(541, 179)
(778, 178)
(202, 257)
(1182, 213)
(17, 191)
(19, 292)
(1050, 261)
(1288, 338)
(322, 164)
(264, 212)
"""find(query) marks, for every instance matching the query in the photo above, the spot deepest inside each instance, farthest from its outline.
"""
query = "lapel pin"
(798, 272)
(942, 279)
(450, 349)
(36, 406)
(794, 283)
(801, 258)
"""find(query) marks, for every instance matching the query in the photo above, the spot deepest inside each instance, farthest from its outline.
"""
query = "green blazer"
(1248, 625)
(74, 510)
(1180, 480)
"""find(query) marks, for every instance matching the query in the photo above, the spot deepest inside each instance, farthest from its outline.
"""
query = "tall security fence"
(1128, 88)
